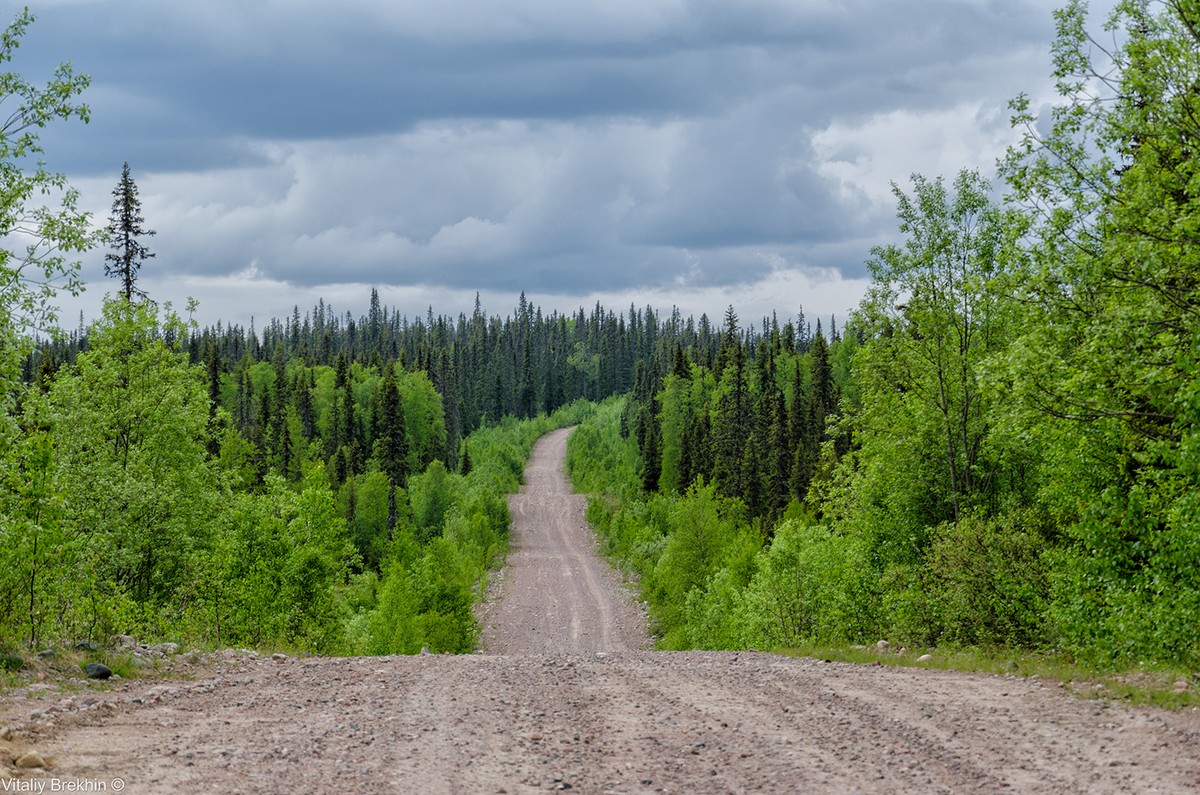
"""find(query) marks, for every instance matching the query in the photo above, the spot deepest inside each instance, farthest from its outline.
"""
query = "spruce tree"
(392, 444)
(822, 403)
(212, 365)
(732, 424)
(125, 228)
(392, 450)
(798, 438)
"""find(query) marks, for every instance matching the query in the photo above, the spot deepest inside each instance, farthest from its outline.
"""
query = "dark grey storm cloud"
(591, 147)
(295, 71)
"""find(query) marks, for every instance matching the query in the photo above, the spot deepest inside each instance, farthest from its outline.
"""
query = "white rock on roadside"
(30, 759)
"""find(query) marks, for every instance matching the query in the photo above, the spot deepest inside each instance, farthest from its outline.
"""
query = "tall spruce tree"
(392, 448)
(822, 401)
(125, 228)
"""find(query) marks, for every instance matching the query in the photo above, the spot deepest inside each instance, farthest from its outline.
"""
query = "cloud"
(314, 70)
(250, 295)
(671, 148)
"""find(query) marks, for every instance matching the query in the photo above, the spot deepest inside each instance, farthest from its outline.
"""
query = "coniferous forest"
(997, 449)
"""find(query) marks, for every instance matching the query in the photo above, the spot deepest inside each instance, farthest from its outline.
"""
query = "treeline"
(317, 375)
(751, 419)
(482, 367)
(1002, 450)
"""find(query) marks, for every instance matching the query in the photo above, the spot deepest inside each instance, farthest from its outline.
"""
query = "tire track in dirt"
(557, 595)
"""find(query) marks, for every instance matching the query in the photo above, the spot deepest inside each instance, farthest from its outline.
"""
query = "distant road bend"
(568, 696)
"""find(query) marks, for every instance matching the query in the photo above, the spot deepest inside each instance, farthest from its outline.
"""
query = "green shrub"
(811, 585)
(987, 582)
(1126, 590)
(714, 617)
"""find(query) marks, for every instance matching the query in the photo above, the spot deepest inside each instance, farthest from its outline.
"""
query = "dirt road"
(567, 698)
(555, 595)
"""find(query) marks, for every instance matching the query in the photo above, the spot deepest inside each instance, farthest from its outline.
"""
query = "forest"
(998, 449)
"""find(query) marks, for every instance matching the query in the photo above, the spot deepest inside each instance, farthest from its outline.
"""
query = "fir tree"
(125, 228)
(392, 450)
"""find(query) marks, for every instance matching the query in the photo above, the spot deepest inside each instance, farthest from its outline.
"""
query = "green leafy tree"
(371, 513)
(132, 421)
(433, 494)
(810, 585)
(394, 625)
(47, 236)
(424, 420)
(677, 415)
(36, 586)
(275, 573)
(1110, 361)
(937, 316)
(700, 532)
(43, 240)
(35, 554)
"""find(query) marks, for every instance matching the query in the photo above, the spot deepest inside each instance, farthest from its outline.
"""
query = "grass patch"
(65, 669)
(119, 662)
(1161, 686)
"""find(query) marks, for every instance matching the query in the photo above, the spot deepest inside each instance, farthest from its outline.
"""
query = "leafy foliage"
(31, 276)
(133, 468)
(1112, 184)
(36, 554)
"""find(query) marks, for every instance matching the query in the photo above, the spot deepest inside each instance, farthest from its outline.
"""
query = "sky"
(688, 153)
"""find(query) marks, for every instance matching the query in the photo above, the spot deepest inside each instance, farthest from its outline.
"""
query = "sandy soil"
(567, 696)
